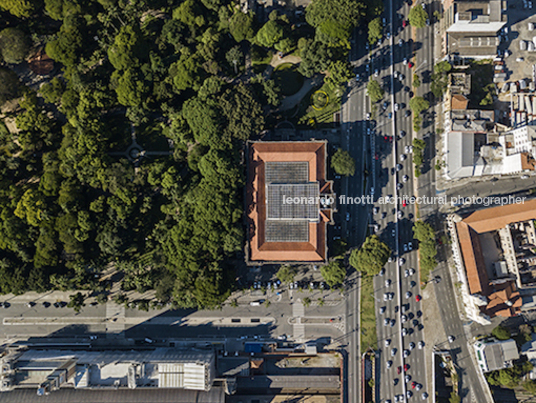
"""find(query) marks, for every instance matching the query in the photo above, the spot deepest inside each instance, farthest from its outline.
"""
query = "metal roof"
(152, 395)
(287, 172)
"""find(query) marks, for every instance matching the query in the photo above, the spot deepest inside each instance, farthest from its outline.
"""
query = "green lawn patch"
(320, 117)
(288, 78)
(368, 315)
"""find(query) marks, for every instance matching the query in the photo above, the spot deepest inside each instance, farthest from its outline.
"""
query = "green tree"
(454, 398)
(339, 72)
(9, 85)
(418, 105)
(416, 81)
(241, 26)
(374, 91)
(417, 17)
(130, 87)
(14, 45)
(270, 33)
(187, 71)
(335, 26)
(191, 13)
(67, 48)
(53, 90)
(30, 207)
(234, 56)
(20, 8)
(501, 333)
(343, 163)
(530, 386)
(371, 257)
(286, 274)
(129, 48)
(333, 273)
(306, 302)
(76, 302)
(375, 28)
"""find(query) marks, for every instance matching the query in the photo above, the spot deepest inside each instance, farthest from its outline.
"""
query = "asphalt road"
(396, 229)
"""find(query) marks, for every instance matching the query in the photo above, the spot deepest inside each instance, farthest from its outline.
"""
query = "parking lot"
(519, 64)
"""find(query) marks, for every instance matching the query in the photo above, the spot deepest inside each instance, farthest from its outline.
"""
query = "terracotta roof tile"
(314, 152)
(473, 259)
(494, 218)
(458, 101)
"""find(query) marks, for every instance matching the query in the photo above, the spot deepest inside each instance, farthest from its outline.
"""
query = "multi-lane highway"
(400, 329)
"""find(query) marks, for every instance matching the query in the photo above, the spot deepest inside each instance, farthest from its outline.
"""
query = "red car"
(406, 367)
(410, 65)
(413, 384)
(405, 23)
(399, 370)
(404, 204)
(418, 297)
(377, 156)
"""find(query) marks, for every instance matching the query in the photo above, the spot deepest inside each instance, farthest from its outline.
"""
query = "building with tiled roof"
(491, 279)
(289, 202)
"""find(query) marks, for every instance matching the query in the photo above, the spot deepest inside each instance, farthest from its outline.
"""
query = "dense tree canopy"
(14, 45)
(336, 25)
(375, 29)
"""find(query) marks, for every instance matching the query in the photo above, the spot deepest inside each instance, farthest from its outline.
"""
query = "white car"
(396, 106)
(406, 353)
(368, 116)
(388, 35)
(451, 338)
(410, 246)
(420, 345)
(386, 296)
(389, 364)
(405, 61)
(405, 178)
(387, 342)
(411, 272)
(405, 247)
(411, 346)
(401, 261)
(406, 273)
(403, 157)
(403, 318)
(386, 322)
(423, 6)
(393, 352)
(424, 396)
(376, 73)
(408, 295)
(400, 42)
(382, 271)
(400, 214)
(395, 74)
(388, 282)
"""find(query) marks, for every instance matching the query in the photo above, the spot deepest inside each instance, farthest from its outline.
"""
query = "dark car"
(408, 113)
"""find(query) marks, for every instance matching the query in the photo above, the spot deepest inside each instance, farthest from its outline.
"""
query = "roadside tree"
(334, 273)
(371, 257)
(375, 28)
(343, 163)
(417, 17)
(375, 91)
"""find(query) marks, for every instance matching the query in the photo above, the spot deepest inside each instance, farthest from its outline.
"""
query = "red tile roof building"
(503, 297)
(278, 231)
